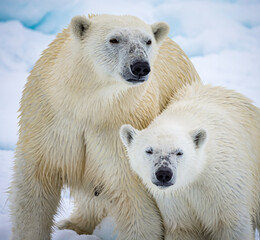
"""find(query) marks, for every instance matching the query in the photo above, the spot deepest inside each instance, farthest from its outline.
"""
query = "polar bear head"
(120, 48)
(165, 156)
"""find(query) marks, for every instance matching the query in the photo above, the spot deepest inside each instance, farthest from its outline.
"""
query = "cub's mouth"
(164, 177)
(163, 185)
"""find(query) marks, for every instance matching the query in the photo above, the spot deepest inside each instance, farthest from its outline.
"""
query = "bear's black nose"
(140, 69)
(164, 174)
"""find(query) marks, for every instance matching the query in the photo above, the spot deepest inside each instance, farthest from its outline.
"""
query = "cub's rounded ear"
(199, 137)
(160, 30)
(127, 134)
(79, 26)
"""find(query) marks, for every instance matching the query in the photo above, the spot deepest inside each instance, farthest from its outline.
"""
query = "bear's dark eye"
(149, 42)
(113, 40)
(149, 151)
(179, 153)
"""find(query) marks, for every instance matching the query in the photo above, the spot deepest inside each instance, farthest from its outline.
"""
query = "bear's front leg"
(136, 214)
(88, 212)
(34, 198)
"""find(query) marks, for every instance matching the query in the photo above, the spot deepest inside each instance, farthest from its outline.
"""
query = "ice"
(241, 71)
(51, 16)
(106, 230)
(20, 49)
(187, 17)
(46, 16)
(6, 158)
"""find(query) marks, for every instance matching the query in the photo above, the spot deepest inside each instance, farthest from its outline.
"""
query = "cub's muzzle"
(164, 177)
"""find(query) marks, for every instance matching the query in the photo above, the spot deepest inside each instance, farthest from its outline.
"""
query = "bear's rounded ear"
(199, 137)
(79, 25)
(127, 133)
(160, 30)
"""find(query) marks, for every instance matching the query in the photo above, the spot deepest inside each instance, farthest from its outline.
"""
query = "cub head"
(120, 48)
(165, 156)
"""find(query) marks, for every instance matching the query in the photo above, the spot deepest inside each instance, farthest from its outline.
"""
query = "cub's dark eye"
(149, 42)
(149, 151)
(113, 40)
(179, 153)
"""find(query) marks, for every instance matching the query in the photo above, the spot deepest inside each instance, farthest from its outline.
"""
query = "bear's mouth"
(134, 81)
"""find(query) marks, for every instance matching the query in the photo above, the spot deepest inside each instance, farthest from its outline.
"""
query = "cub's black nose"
(140, 69)
(164, 174)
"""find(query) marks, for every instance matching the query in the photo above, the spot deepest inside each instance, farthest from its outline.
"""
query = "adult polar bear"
(90, 81)
(201, 161)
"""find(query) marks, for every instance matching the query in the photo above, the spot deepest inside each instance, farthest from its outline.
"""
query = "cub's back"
(235, 105)
(233, 123)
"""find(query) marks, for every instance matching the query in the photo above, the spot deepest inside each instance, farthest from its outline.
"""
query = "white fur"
(74, 102)
(217, 192)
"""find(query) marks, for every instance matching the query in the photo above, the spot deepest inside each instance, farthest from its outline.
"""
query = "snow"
(20, 49)
(46, 16)
(220, 37)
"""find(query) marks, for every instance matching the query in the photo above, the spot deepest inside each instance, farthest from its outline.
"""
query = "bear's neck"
(73, 89)
(103, 100)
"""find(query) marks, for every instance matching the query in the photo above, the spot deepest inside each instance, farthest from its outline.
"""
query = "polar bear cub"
(200, 159)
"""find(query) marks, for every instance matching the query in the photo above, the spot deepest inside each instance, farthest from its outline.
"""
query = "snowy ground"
(220, 37)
